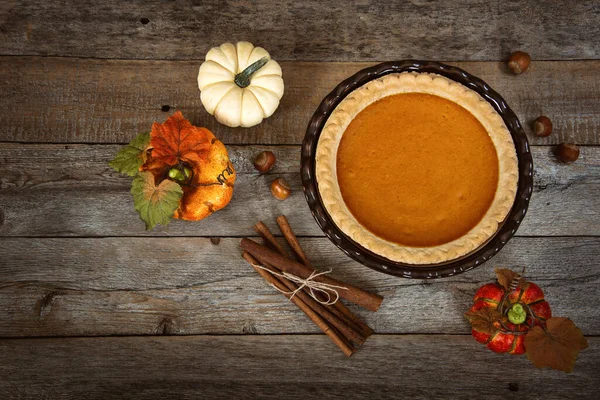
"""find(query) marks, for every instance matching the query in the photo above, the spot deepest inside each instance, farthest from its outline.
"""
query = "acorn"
(519, 62)
(280, 189)
(264, 161)
(567, 152)
(542, 126)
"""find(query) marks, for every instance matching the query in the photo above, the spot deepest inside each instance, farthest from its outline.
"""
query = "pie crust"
(434, 84)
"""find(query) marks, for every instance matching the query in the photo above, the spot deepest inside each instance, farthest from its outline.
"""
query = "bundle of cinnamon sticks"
(273, 263)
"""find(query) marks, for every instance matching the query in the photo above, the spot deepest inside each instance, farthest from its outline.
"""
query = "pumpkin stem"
(517, 314)
(180, 173)
(243, 78)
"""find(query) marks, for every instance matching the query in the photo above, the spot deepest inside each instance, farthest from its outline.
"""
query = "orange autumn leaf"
(177, 139)
(555, 347)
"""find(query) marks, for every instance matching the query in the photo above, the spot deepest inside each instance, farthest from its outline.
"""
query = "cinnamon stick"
(335, 337)
(370, 301)
(339, 308)
(359, 326)
(338, 314)
(290, 237)
(268, 237)
(323, 311)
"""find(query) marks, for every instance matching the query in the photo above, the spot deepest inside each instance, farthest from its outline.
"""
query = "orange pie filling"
(417, 170)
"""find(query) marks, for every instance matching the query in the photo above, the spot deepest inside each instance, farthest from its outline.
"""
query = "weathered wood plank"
(272, 367)
(141, 286)
(109, 101)
(58, 190)
(315, 30)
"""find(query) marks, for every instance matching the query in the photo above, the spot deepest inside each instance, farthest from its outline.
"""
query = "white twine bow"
(313, 286)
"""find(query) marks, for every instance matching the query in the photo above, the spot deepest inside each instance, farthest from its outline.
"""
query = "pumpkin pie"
(417, 168)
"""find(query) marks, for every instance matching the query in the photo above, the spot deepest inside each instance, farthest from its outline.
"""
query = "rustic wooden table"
(94, 307)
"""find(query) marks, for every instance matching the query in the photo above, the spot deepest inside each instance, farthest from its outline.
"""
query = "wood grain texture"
(69, 190)
(182, 286)
(110, 101)
(302, 367)
(311, 30)
(72, 264)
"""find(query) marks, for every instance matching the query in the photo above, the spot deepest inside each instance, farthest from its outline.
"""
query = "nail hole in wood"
(44, 305)
(215, 240)
(66, 147)
(144, 21)
(249, 328)
(165, 108)
(166, 327)
(513, 387)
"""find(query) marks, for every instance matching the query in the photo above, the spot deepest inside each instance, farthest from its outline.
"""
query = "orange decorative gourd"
(197, 161)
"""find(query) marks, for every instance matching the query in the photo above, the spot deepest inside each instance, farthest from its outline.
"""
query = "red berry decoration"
(512, 316)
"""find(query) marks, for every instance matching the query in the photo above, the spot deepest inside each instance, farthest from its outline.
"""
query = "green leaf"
(131, 157)
(155, 204)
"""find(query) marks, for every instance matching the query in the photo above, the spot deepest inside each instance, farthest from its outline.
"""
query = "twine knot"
(329, 294)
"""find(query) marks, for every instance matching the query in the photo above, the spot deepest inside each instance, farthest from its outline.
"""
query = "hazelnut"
(264, 161)
(280, 189)
(519, 62)
(542, 126)
(567, 152)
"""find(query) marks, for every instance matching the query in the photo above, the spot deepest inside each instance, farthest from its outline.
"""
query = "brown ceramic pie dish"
(457, 177)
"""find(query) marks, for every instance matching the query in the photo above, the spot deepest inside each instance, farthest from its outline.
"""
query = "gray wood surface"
(69, 190)
(140, 286)
(310, 30)
(110, 101)
(283, 366)
(94, 307)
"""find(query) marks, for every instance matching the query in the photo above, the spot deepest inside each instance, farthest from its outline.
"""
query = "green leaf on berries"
(485, 320)
(555, 347)
(131, 157)
(155, 204)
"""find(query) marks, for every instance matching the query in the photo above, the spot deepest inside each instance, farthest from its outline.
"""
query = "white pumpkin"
(240, 85)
